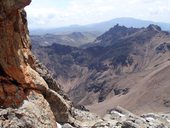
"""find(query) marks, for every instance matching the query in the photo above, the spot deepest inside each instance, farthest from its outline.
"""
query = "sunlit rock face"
(15, 54)
(21, 87)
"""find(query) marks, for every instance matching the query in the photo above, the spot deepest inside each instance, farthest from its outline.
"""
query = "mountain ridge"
(98, 73)
(101, 27)
(75, 39)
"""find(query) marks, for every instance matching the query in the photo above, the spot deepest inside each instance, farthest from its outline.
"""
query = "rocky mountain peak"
(77, 34)
(115, 33)
(153, 27)
(118, 29)
(119, 33)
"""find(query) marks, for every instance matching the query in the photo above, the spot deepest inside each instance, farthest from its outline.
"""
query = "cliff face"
(21, 87)
(16, 58)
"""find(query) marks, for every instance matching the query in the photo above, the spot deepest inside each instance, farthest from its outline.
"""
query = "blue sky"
(57, 13)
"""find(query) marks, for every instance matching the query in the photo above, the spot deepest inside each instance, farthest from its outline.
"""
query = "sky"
(58, 13)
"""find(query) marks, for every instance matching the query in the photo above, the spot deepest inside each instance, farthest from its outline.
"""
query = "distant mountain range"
(75, 39)
(101, 27)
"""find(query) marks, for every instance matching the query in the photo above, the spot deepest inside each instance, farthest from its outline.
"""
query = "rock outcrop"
(59, 102)
(22, 89)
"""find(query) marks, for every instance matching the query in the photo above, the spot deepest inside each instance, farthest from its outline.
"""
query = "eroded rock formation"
(16, 58)
(21, 87)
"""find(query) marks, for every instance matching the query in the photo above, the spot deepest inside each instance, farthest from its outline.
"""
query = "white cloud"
(53, 13)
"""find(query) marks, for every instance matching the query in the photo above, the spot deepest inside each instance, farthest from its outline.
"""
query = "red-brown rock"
(21, 87)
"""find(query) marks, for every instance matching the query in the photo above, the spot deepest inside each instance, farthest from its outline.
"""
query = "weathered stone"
(84, 118)
(67, 126)
(34, 113)
(121, 118)
(46, 75)
(59, 106)
(21, 87)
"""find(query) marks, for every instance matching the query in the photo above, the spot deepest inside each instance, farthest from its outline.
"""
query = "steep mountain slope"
(124, 66)
(102, 26)
(72, 39)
